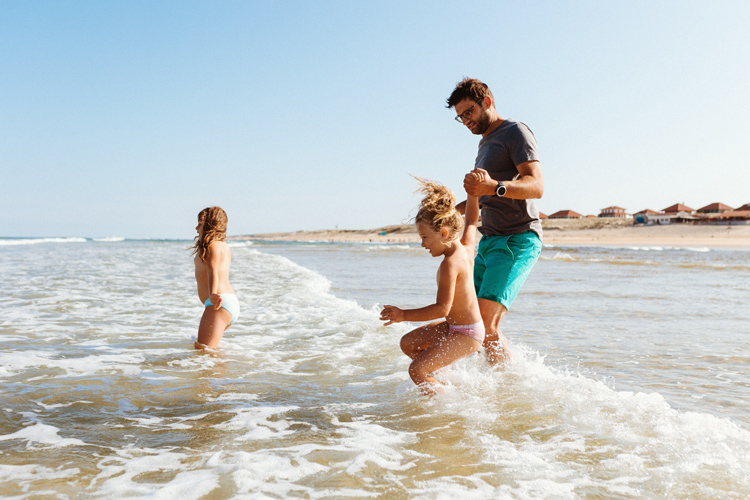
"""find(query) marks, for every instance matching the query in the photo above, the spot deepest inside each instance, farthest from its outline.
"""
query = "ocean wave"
(388, 247)
(309, 394)
(37, 241)
(240, 244)
(111, 239)
(656, 248)
(558, 256)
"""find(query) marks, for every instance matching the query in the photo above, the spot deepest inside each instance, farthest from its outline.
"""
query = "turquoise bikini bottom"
(230, 303)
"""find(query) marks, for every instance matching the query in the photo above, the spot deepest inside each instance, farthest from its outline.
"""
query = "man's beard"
(483, 123)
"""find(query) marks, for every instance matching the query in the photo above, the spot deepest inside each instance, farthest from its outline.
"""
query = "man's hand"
(479, 183)
(391, 314)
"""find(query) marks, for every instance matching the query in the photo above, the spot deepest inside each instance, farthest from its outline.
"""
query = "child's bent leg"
(212, 326)
(440, 354)
(423, 337)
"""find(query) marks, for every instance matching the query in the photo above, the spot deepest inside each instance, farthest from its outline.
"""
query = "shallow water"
(630, 378)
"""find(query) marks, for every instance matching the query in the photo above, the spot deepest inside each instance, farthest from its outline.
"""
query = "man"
(509, 179)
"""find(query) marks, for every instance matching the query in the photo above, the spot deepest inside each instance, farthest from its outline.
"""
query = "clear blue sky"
(125, 118)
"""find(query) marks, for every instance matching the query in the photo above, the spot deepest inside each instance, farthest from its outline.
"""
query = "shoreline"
(564, 232)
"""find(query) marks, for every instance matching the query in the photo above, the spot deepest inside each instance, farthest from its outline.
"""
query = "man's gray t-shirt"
(509, 145)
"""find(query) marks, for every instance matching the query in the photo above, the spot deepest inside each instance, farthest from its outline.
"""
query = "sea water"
(629, 377)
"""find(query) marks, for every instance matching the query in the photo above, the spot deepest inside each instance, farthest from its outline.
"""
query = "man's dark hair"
(469, 88)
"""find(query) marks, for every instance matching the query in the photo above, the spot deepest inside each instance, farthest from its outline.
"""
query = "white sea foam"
(240, 244)
(121, 476)
(33, 472)
(38, 241)
(389, 247)
(646, 248)
(558, 256)
(257, 424)
(128, 364)
(110, 239)
(584, 416)
(42, 435)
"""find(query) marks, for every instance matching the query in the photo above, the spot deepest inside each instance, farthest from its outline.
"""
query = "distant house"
(566, 214)
(678, 213)
(613, 212)
(642, 216)
(746, 206)
(715, 208)
(542, 216)
(733, 217)
(679, 207)
(652, 219)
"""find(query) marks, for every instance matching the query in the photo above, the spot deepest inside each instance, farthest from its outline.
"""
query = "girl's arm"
(447, 274)
(214, 257)
(471, 220)
(461, 207)
(471, 215)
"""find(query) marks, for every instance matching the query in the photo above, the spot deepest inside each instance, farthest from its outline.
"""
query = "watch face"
(500, 190)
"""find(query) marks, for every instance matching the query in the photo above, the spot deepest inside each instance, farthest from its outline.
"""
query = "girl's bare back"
(215, 267)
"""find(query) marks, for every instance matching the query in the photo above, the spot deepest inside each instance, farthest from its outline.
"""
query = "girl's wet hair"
(438, 208)
(214, 220)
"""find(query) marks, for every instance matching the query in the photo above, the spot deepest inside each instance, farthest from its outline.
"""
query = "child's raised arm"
(471, 219)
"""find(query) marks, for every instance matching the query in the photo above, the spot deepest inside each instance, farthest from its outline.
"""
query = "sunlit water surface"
(630, 377)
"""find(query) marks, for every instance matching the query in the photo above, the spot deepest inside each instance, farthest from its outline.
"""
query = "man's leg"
(495, 345)
(501, 267)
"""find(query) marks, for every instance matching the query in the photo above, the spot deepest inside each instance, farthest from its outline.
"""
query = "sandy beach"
(620, 232)
(577, 232)
(389, 234)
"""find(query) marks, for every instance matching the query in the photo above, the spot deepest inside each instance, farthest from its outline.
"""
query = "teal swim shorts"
(502, 265)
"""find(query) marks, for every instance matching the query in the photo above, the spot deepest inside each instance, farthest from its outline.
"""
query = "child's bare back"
(220, 256)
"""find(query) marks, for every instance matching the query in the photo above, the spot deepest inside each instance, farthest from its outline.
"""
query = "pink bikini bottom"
(475, 331)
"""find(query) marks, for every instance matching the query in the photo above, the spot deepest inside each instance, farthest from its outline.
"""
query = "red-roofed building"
(613, 212)
(642, 217)
(679, 207)
(566, 214)
(729, 218)
(542, 216)
(715, 208)
(746, 206)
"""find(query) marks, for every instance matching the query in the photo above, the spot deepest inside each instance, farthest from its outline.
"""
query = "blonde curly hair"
(214, 220)
(438, 208)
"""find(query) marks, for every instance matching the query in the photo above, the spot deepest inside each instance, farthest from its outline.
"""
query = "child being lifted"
(461, 333)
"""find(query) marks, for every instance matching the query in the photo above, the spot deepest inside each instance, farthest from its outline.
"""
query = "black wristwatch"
(501, 189)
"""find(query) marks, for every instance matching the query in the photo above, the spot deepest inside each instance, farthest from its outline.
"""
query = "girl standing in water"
(212, 258)
(461, 333)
